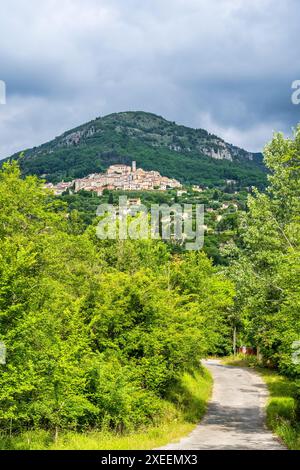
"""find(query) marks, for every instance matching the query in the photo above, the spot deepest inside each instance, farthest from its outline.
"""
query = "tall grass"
(281, 408)
(184, 407)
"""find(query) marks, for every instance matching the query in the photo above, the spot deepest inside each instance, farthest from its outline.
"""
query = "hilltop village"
(118, 177)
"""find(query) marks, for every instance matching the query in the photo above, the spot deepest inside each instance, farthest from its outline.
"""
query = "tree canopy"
(266, 268)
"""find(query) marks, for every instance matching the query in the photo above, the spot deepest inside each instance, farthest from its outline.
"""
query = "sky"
(223, 65)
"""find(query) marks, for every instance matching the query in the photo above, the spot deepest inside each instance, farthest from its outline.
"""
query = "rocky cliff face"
(157, 132)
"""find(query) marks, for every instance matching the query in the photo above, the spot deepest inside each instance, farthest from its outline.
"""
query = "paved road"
(235, 418)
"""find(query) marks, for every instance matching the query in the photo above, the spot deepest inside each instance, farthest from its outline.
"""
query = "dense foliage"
(222, 224)
(266, 269)
(96, 332)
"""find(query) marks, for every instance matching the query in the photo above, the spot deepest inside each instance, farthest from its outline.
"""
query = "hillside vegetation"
(189, 155)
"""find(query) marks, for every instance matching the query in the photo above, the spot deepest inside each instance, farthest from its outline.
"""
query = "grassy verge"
(185, 407)
(281, 406)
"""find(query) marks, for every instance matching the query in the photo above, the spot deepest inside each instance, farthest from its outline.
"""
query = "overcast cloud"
(223, 65)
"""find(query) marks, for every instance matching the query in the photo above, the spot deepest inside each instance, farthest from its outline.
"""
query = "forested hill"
(189, 155)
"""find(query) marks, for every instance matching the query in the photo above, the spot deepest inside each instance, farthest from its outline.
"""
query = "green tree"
(267, 270)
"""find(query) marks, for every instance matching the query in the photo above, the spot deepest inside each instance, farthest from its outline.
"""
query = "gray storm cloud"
(224, 65)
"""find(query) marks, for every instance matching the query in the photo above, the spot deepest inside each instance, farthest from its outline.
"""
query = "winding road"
(235, 417)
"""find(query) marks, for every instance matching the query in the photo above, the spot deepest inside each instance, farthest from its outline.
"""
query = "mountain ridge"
(190, 155)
